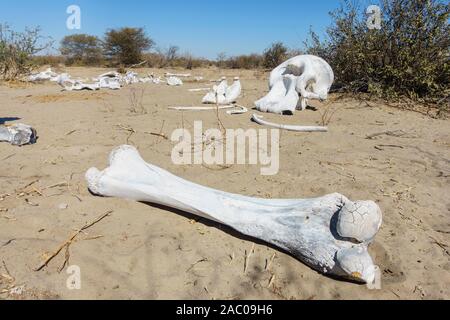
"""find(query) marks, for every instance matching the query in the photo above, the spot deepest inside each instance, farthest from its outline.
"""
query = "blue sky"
(201, 27)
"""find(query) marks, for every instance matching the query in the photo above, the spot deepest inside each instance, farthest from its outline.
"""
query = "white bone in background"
(224, 94)
(240, 109)
(199, 89)
(17, 134)
(330, 234)
(179, 75)
(313, 76)
(259, 120)
(174, 81)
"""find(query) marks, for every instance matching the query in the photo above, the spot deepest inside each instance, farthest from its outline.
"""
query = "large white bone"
(43, 76)
(224, 94)
(330, 233)
(17, 134)
(313, 77)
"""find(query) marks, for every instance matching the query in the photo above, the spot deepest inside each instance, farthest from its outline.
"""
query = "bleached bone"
(178, 75)
(199, 89)
(78, 86)
(174, 81)
(203, 108)
(146, 80)
(224, 94)
(43, 76)
(130, 78)
(309, 229)
(158, 80)
(313, 77)
(110, 74)
(63, 77)
(217, 93)
(17, 134)
(260, 121)
(240, 110)
(234, 91)
(109, 83)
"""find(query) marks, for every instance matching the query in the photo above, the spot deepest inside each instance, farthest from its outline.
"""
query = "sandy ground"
(143, 252)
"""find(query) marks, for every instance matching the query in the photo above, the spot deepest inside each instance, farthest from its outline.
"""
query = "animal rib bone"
(240, 110)
(260, 121)
(18, 134)
(309, 229)
(203, 108)
(312, 77)
(179, 75)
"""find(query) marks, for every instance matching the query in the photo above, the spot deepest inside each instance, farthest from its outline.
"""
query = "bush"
(252, 61)
(275, 55)
(49, 60)
(125, 46)
(81, 49)
(17, 50)
(408, 57)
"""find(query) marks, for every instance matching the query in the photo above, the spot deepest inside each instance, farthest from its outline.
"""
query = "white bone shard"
(130, 78)
(199, 89)
(202, 108)
(306, 228)
(43, 76)
(178, 75)
(287, 127)
(240, 110)
(313, 80)
(224, 94)
(109, 83)
(234, 91)
(174, 81)
(18, 134)
(78, 86)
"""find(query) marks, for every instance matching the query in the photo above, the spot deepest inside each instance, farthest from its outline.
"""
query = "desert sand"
(400, 159)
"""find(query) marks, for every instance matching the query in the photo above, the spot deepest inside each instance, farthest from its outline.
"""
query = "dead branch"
(69, 241)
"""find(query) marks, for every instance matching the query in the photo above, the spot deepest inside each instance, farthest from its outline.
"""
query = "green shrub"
(276, 54)
(126, 45)
(17, 50)
(82, 49)
(252, 61)
(408, 57)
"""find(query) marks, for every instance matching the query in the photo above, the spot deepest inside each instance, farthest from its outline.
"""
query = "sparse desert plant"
(327, 113)
(171, 55)
(17, 50)
(407, 58)
(137, 101)
(126, 45)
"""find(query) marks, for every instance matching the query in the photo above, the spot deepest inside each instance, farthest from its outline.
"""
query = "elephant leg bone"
(309, 229)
